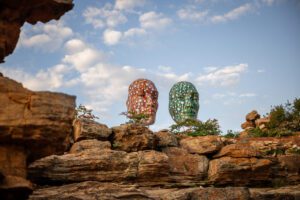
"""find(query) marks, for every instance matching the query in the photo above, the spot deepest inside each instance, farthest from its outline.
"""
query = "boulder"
(186, 166)
(248, 125)
(240, 171)
(202, 144)
(88, 129)
(39, 121)
(288, 170)
(89, 145)
(238, 151)
(14, 13)
(132, 137)
(165, 139)
(252, 116)
(153, 168)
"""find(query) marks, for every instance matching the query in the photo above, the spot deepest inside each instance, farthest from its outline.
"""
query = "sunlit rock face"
(183, 101)
(142, 99)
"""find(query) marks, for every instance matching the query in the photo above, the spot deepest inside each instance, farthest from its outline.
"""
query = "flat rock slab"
(93, 190)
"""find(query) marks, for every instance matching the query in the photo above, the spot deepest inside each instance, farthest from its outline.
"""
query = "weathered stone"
(252, 116)
(282, 193)
(202, 144)
(238, 151)
(210, 193)
(248, 125)
(288, 171)
(132, 137)
(90, 190)
(89, 145)
(40, 121)
(13, 161)
(186, 166)
(89, 129)
(14, 13)
(153, 167)
(165, 139)
(102, 165)
(239, 171)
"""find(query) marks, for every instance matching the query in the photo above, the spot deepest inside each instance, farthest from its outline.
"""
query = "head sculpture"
(142, 99)
(183, 101)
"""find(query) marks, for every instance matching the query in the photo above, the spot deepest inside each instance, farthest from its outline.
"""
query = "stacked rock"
(253, 120)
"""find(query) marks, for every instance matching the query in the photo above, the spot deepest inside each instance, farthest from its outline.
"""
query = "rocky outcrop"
(32, 125)
(253, 120)
(202, 144)
(130, 161)
(89, 129)
(14, 13)
(38, 121)
(132, 137)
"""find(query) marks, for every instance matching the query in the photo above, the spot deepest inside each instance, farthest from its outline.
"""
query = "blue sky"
(241, 55)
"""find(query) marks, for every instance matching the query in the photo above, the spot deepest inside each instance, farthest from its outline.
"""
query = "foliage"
(286, 117)
(232, 134)
(135, 118)
(275, 132)
(81, 112)
(192, 127)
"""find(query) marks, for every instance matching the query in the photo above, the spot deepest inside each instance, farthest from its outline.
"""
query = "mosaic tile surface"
(142, 99)
(183, 101)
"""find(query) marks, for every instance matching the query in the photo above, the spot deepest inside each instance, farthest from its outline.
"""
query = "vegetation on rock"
(81, 112)
(135, 118)
(192, 127)
(284, 120)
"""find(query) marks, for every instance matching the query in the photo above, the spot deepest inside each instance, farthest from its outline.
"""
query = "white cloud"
(111, 37)
(134, 32)
(48, 79)
(153, 20)
(210, 69)
(105, 16)
(48, 37)
(190, 13)
(128, 4)
(225, 76)
(74, 45)
(233, 14)
(261, 71)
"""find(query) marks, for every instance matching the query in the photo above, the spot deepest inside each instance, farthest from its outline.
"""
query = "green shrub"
(232, 134)
(81, 112)
(135, 118)
(193, 127)
(275, 132)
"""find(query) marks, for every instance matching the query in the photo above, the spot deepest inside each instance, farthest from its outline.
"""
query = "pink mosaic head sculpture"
(142, 99)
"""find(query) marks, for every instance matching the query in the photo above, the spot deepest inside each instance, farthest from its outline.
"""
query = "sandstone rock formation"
(130, 161)
(14, 13)
(32, 125)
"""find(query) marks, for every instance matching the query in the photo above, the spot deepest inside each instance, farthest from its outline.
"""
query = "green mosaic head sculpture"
(183, 101)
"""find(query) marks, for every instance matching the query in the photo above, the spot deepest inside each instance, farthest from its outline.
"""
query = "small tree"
(135, 118)
(81, 112)
(194, 127)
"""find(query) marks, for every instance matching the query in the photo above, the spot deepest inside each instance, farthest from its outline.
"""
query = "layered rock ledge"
(14, 13)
